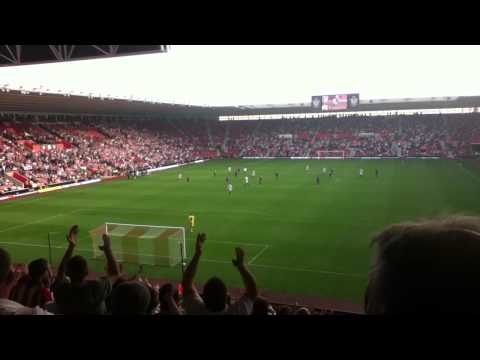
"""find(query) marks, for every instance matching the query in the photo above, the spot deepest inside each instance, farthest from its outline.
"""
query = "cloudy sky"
(249, 75)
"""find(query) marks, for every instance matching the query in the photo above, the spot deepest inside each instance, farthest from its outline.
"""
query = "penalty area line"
(286, 268)
(38, 221)
(41, 246)
(273, 267)
(258, 254)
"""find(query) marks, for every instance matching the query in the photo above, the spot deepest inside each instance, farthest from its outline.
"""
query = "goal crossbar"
(150, 226)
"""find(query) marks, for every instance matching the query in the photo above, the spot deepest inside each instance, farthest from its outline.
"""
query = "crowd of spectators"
(86, 149)
(427, 267)
(445, 136)
(37, 290)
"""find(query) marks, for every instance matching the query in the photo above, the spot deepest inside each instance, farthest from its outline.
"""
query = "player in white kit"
(324, 170)
(246, 180)
(253, 172)
(360, 172)
(230, 188)
(229, 169)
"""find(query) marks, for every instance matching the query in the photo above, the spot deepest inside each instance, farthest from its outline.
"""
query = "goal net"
(331, 154)
(142, 244)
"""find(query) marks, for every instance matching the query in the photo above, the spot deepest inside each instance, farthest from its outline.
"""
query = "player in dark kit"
(277, 175)
(227, 179)
(214, 173)
(318, 179)
(330, 174)
(188, 179)
(260, 179)
(376, 172)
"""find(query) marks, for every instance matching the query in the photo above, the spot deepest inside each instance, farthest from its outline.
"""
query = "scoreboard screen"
(335, 102)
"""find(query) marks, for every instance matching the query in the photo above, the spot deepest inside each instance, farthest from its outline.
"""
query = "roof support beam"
(7, 58)
(56, 52)
(101, 50)
(11, 53)
(34, 54)
(10, 57)
(71, 51)
(113, 49)
(19, 53)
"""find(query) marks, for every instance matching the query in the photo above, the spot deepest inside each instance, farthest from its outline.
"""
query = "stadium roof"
(37, 102)
(11, 55)
(14, 101)
(40, 100)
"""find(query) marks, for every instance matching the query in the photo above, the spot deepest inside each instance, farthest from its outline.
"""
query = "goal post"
(142, 244)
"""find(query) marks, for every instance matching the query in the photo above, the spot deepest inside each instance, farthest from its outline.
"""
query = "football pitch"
(300, 237)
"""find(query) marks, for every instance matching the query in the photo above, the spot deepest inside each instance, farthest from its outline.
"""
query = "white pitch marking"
(290, 269)
(37, 221)
(82, 250)
(219, 262)
(258, 255)
(39, 245)
(308, 270)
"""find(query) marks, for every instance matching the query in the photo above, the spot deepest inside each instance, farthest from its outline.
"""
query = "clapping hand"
(106, 242)
(72, 235)
(240, 259)
(200, 242)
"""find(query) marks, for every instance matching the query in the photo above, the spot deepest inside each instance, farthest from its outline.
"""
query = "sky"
(224, 75)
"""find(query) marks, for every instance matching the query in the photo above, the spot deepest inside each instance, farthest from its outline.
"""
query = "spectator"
(33, 289)
(8, 280)
(215, 299)
(426, 267)
(131, 298)
(303, 311)
(77, 295)
(284, 310)
(169, 300)
(262, 307)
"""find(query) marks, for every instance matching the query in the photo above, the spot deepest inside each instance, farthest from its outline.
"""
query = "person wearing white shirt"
(8, 280)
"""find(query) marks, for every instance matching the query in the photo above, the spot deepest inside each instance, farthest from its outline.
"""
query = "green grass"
(306, 238)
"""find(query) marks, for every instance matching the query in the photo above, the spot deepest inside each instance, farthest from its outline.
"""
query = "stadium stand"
(36, 152)
(412, 274)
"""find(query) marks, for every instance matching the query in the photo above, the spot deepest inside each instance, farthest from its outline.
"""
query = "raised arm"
(113, 269)
(72, 242)
(191, 270)
(251, 290)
